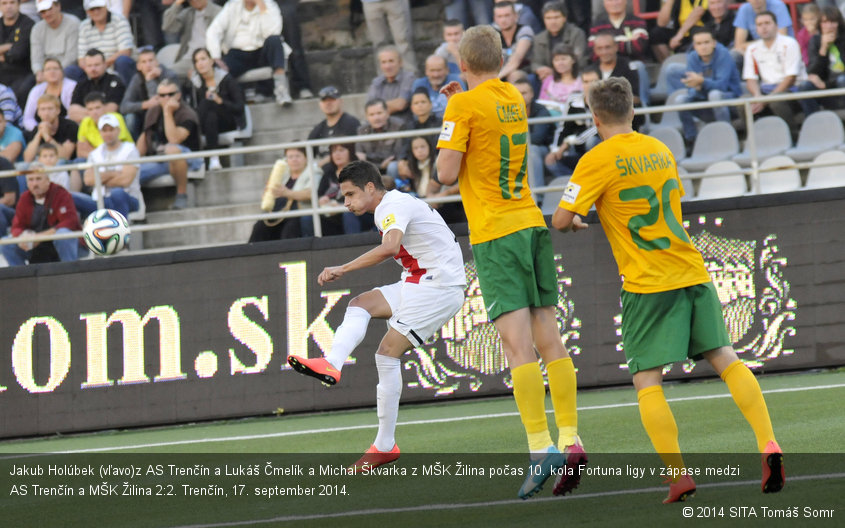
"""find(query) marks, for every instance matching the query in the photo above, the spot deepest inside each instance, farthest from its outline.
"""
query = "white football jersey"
(430, 253)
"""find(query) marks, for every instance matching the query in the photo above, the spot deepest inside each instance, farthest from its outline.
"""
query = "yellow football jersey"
(489, 125)
(633, 180)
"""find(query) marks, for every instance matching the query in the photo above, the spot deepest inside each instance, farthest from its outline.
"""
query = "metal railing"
(753, 171)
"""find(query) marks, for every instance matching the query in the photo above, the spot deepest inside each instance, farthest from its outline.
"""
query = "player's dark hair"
(453, 22)
(359, 173)
(94, 96)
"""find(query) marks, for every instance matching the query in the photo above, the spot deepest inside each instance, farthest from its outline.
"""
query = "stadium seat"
(781, 176)
(552, 198)
(717, 141)
(820, 132)
(167, 55)
(672, 118)
(256, 74)
(168, 181)
(830, 176)
(772, 137)
(730, 182)
(672, 139)
(660, 92)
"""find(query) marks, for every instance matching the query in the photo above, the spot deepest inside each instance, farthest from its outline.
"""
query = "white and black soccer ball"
(105, 232)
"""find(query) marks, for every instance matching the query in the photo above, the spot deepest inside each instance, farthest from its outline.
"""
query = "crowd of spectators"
(79, 82)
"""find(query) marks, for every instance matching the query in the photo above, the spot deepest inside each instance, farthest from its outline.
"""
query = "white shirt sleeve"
(794, 64)
(391, 216)
(748, 64)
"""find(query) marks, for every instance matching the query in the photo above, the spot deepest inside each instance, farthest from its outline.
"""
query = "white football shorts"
(420, 311)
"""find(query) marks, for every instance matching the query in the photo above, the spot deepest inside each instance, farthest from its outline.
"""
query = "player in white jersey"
(429, 293)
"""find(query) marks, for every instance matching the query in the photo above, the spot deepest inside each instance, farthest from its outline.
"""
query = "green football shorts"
(671, 326)
(517, 271)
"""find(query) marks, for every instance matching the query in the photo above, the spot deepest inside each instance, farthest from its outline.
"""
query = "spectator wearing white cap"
(120, 186)
(110, 33)
(55, 35)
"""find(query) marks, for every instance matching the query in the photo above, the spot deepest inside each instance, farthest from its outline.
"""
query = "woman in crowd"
(417, 174)
(288, 189)
(827, 61)
(55, 84)
(218, 100)
(341, 155)
(565, 80)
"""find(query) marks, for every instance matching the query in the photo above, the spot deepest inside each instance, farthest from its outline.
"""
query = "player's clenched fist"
(330, 274)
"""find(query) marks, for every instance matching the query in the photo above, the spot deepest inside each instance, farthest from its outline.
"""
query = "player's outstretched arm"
(391, 243)
(564, 221)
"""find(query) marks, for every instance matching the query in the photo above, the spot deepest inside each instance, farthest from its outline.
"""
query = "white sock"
(388, 391)
(349, 335)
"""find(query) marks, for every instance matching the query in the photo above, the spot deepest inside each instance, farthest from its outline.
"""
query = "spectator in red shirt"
(44, 209)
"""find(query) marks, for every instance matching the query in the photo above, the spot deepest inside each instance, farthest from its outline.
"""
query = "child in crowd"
(565, 80)
(48, 156)
(417, 172)
(810, 18)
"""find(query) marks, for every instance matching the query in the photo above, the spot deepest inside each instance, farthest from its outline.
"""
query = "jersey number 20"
(645, 192)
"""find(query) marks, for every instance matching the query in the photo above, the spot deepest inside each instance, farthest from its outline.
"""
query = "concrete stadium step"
(235, 185)
(304, 113)
(201, 235)
(271, 138)
(273, 124)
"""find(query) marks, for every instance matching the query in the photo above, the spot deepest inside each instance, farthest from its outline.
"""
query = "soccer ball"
(105, 232)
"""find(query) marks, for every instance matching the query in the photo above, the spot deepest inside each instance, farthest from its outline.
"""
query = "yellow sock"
(748, 397)
(661, 427)
(530, 395)
(562, 386)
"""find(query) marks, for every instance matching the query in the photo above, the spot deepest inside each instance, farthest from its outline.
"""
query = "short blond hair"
(612, 100)
(481, 49)
(50, 98)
